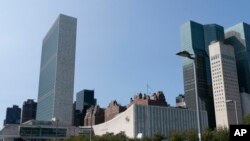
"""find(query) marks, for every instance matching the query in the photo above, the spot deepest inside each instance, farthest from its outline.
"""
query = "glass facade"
(239, 37)
(56, 82)
(42, 132)
(195, 39)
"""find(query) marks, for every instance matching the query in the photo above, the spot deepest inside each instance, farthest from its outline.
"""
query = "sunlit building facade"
(56, 82)
(225, 85)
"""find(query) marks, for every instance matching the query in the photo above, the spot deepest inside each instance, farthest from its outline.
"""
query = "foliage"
(192, 135)
(246, 119)
(158, 136)
(207, 135)
(177, 136)
(221, 134)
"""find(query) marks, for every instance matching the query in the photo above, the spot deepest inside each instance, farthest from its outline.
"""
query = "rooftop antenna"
(147, 88)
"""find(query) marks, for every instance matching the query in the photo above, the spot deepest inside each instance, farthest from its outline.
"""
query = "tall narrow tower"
(225, 85)
(56, 82)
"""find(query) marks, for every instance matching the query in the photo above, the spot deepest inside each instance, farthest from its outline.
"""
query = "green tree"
(207, 135)
(246, 119)
(178, 136)
(158, 136)
(221, 134)
(121, 136)
(192, 135)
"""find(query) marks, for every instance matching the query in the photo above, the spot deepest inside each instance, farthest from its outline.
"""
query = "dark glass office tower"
(56, 82)
(13, 115)
(195, 39)
(239, 37)
(29, 110)
(84, 100)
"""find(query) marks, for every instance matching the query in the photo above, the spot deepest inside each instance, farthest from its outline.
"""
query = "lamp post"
(186, 54)
(235, 108)
(54, 119)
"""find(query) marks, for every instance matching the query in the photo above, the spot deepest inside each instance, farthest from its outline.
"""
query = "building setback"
(225, 84)
(13, 115)
(56, 82)
(239, 37)
(195, 38)
(29, 110)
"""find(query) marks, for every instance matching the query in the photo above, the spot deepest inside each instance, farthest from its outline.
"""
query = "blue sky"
(121, 45)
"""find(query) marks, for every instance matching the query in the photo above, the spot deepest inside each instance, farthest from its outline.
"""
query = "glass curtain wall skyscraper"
(56, 82)
(195, 38)
(239, 37)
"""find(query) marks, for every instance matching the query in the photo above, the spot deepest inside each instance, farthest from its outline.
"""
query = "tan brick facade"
(113, 109)
(156, 99)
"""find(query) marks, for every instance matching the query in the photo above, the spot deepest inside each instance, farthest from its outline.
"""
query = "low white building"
(151, 119)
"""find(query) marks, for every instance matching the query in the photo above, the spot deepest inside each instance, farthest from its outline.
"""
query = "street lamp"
(188, 55)
(54, 119)
(235, 108)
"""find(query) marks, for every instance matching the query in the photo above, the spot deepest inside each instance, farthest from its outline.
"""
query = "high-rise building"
(13, 115)
(225, 84)
(239, 37)
(84, 100)
(56, 82)
(195, 39)
(29, 110)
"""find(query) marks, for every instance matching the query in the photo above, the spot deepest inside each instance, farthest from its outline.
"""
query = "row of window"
(217, 56)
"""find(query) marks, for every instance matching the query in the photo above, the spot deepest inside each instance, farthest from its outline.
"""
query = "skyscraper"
(239, 37)
(195, 39)
(13, 115)
(84, 100)
(56, 82)
(225, 84)
(29, 110)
